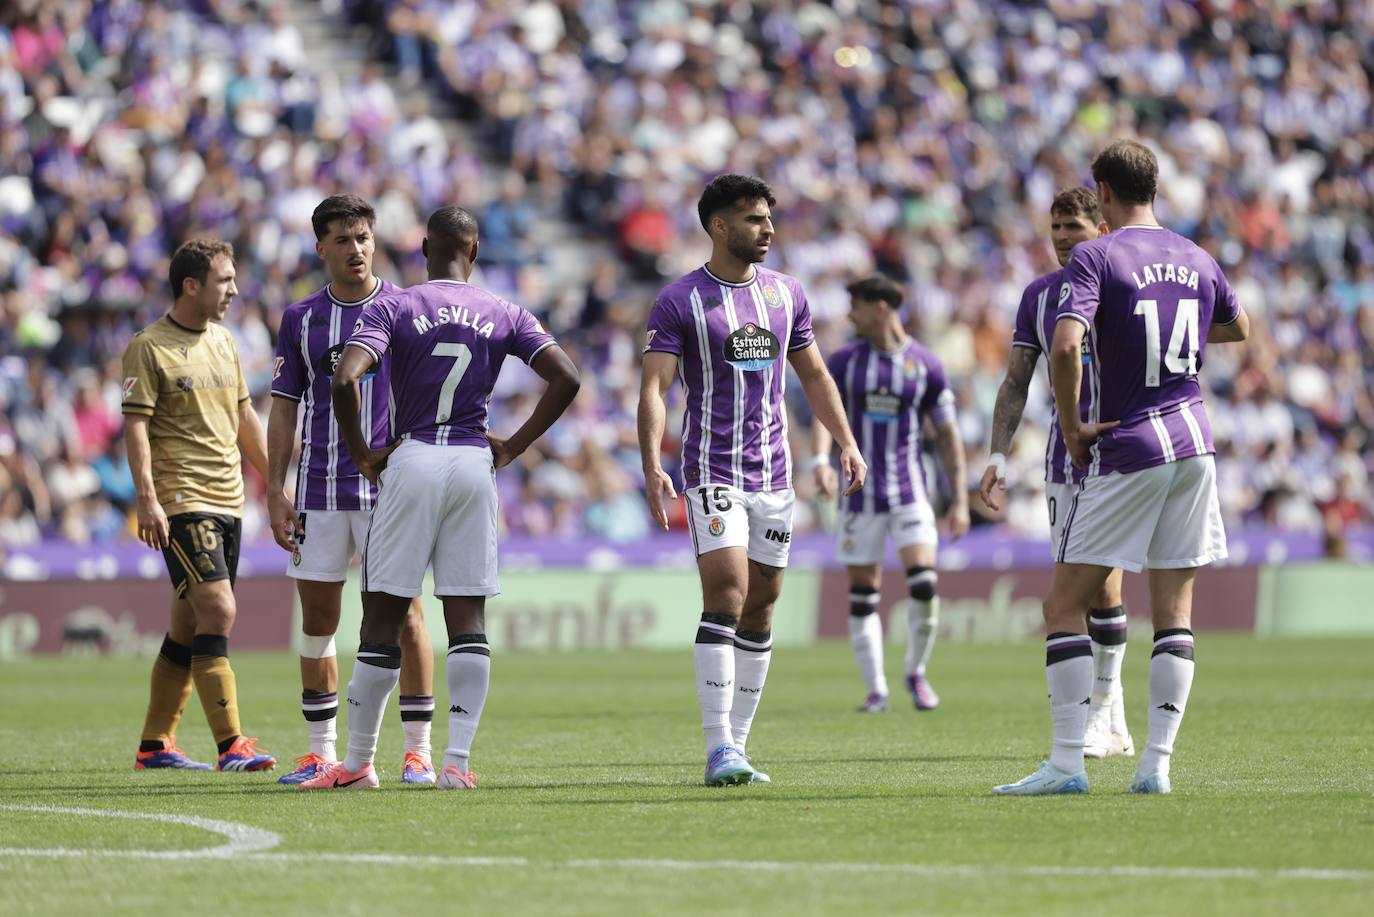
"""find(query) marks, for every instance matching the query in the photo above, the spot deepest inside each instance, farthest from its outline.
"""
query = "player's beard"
(744, 248)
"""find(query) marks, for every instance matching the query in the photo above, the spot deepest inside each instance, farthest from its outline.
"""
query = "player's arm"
(656, 377)
(1066, 373)
(152, 520)
(555, 367)
(252, 438)
(951, 451)
(1006, 417)
(281, 441)
(821, 443)
(1231, 332)
(824, 398)
(353, 365)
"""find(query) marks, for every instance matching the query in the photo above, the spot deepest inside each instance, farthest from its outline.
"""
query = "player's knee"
(921, 583)
(863, 601)
(317, 647)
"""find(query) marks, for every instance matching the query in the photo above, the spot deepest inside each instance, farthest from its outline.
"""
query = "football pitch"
(590, 798)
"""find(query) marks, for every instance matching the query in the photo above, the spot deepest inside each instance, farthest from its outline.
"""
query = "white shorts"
(1166, 517)
(329, 540)
(1058, 499)
(861, 537)
(721, 516)
(436, 507)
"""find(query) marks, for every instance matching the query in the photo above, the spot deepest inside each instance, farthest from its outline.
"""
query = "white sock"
(417, 714)
(324, 728)
(469, 678)
(375, 674)
(1171, 680)
(1107, 628)
(1069, 669)
(866, 636)
(922, 617)
(753, 653)
(715, 671)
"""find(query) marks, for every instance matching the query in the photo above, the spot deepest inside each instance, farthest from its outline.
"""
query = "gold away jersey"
(191, 385)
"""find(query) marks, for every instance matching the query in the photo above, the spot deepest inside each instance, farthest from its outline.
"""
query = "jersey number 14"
(463, 359)
(1181, 356)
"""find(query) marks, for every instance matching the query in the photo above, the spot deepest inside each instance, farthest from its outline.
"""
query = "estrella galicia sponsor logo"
(752, 348)
(716, 526)
(882, 406)
(329, 363)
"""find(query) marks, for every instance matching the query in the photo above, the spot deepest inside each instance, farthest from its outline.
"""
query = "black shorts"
(203, 547)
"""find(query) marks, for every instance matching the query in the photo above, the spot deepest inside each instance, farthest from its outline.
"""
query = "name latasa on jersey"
(887, 395)
(731, 340)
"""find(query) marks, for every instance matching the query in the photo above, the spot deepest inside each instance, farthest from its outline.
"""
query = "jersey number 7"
(463, 355)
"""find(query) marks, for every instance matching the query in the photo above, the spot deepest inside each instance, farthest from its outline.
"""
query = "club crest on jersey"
(911, 369)
(129, 383)
(752, 348)
(771, 297)
(716, 526)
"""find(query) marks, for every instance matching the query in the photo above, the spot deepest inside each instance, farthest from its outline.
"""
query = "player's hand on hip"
(659, 491)
(1080, 440)
(373, 463)
(854, 468)
(956, 518)
(826, 480)
(153, 529)
(286, 525)
(502, 452)
(990, 487)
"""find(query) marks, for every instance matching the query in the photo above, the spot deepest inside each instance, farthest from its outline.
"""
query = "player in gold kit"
(187, 414)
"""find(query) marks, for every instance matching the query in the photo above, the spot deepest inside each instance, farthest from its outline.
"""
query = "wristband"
(816, 461)
(998, 461)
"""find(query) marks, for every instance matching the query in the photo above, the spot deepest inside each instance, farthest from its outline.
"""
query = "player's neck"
(458, 271)
(1136, 216)
(725, 266)
(888, 339)
(185, 315)
(352, 290)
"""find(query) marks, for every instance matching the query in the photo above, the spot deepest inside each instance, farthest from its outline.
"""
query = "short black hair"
(877, 288)
(452, 228)
(1131, 170)
(349, 208)
(192, 260)
(1074, 202)
(726, 191)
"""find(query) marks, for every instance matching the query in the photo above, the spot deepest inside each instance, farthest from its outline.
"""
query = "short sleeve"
(1226, 309)
(288, 369)
(802, 336)
(938, 401)
(664, 334)
(1026, 334)
(374, 329)
(1081, 290)
(141, 381)
(530, 337)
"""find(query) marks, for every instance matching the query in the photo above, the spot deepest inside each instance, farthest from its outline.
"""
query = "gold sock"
(218, 695)
(171, 689)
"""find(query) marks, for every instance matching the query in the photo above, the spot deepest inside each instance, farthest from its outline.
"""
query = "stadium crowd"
(922, 139)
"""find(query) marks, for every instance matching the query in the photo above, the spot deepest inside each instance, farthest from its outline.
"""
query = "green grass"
(596, 756)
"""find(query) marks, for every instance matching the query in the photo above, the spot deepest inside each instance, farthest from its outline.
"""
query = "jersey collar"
(377, 288)
(730, 283)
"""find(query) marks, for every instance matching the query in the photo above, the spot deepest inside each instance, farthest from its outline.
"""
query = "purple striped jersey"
(1147, 297)
(447, 340)
(1035, 321)
(731, 340)
(309, 342)
(887, 395)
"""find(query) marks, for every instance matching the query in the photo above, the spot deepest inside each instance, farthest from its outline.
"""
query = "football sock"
(1171, 678)
(715, 670)
(922, 617)
(1069, 670)
(375, 675)
(1107, 629)
(469, 678)
(215, 684)
(866, 636)
(753, 653)
(321, 712)
(417, 713)
(167, 697)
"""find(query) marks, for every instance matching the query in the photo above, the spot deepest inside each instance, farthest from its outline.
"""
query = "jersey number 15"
(1181, 356)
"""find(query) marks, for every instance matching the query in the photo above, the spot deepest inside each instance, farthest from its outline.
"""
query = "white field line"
(245, 843)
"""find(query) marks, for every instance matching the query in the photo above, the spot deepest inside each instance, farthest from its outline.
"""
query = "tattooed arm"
(1006, 417)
